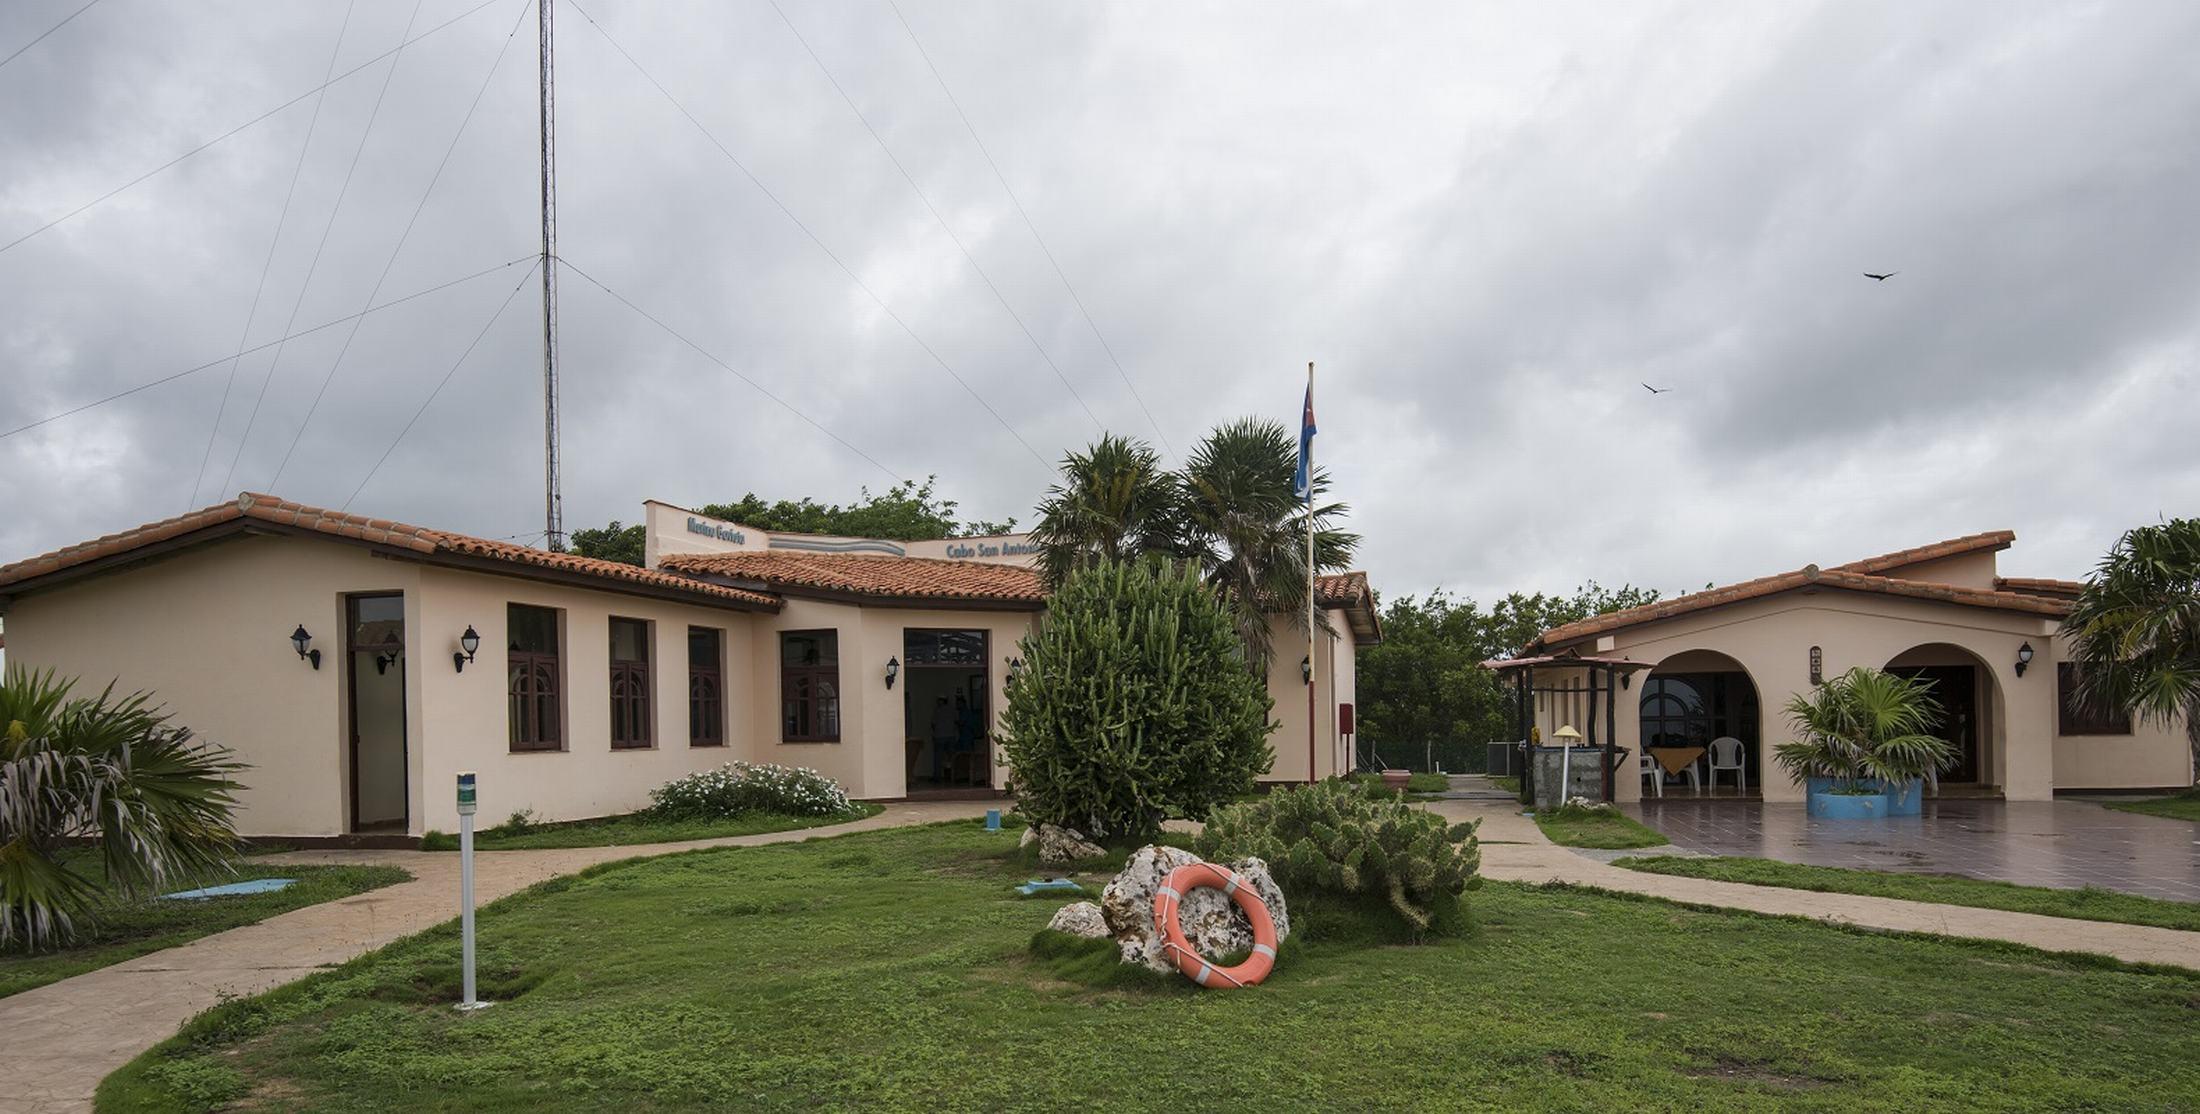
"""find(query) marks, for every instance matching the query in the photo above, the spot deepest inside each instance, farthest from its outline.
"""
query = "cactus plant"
(1134, 705)
(1334, 836)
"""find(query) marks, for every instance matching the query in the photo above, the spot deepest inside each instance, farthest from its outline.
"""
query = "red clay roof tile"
(417, 539)
(1850, 577)
(869, 575)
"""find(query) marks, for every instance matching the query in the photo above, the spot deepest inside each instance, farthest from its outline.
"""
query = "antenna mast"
(553, 501)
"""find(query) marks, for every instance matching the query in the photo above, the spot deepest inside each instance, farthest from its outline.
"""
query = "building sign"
(959, 551)
(1817, 666)
(713, 530)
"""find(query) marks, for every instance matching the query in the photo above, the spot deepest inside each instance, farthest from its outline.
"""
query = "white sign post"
(466, 890)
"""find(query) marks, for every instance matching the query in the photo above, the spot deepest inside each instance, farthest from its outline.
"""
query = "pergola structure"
(1601, 677)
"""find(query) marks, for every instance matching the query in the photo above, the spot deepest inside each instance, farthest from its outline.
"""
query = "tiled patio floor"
(2066, 844)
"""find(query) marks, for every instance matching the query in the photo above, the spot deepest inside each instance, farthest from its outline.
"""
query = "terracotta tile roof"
(1844, 577)
(1350, 591)
(1953, 547)
(872, 576)
(2036, 586)
(284, 514)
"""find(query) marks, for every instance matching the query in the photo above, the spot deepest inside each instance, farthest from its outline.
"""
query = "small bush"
(741, 787)
(1134, 705)
(1337, 838)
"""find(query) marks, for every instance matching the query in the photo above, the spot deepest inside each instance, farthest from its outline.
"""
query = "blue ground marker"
(255, 886)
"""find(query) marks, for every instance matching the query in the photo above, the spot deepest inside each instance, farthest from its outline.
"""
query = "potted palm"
(1863, 751)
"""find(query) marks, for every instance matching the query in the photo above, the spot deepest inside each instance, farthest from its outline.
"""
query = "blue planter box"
(1889, 800)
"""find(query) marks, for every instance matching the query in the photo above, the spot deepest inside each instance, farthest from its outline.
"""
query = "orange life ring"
(1170, 895)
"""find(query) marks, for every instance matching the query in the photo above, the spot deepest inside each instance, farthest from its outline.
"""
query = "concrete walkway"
(1515, 850)
(58, 1041)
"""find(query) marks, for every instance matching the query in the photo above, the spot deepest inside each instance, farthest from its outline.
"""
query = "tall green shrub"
(1133, 704)
(1336, 837)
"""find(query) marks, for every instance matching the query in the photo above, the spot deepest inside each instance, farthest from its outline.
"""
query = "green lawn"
(130, 930)
(1508, 784)
(1416, 783)
(1945, 889)
(893, 970)
(635, 827)
(1604, 830)
(2184, 806)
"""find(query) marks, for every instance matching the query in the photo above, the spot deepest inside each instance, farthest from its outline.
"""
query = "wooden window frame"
(550, 696)
(2074, 720)
(792, 675)
(707, 693)
(633, 707)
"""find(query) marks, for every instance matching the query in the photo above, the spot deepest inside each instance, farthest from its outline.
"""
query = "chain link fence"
(1451, 756)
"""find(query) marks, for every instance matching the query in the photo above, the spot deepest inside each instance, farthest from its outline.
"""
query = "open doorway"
(374, 660)
(1961, 687)
(945, 709)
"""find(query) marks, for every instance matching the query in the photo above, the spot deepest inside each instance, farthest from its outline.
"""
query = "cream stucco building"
(1672, 676)
(880, 663)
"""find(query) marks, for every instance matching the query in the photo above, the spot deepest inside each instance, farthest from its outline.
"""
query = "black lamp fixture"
(2024, 658)
(1306, 669)
(893, 670)
(1015, 668)
(303, 642)
(467, 644)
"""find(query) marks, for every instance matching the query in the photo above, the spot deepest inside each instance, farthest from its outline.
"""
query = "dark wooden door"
(1955, 687)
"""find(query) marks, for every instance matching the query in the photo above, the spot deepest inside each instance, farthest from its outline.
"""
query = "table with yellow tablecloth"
(1676, 759)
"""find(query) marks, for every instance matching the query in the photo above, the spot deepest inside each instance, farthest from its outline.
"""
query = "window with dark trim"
(534, 672)
(809, 686)
(706, 687)
(630, 718)
(2075, 715)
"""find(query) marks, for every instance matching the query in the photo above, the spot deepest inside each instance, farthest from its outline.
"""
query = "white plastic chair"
(1656, 774)
(1726, 754)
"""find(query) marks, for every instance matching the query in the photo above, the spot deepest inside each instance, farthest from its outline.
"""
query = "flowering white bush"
(1575, 805)
(739, 787)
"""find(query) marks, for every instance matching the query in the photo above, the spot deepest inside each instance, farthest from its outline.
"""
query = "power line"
(730, 369)
(941, 220)
(399, 249)
(213, 432)
(220, 360)
(313, 268)
(829, 253)
(12, 244)
(48, 31)
(1034, 228)
(444, 382)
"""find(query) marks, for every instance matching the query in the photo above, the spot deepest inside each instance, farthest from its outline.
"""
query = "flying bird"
(1881, 278)
(1655, 390)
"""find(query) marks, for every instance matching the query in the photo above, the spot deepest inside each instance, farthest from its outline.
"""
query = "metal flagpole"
(1313, 660)
(553, 501)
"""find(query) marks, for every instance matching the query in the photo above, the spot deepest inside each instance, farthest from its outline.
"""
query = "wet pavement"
(2066, 844)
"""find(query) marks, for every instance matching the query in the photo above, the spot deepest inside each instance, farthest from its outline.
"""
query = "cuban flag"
(1302, 483)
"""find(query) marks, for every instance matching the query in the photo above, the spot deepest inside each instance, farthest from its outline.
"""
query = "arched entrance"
(1970, 704)
(1694, 697)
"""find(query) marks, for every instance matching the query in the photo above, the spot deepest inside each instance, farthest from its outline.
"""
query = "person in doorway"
(943, 736)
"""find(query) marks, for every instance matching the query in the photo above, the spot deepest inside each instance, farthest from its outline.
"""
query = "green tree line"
(1424, 697)
(906, 512)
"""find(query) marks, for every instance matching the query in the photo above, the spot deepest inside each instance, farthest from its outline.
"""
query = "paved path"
(58, 1041)
(2064, 843)
(1515, 850)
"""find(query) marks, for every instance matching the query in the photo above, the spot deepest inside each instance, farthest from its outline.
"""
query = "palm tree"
(1114, 503)
(2135, 630)
(1247, 530)
(115, 771)
(1866, 725)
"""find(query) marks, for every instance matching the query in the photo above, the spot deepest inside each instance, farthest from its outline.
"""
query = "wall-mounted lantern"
(303, 642)
(893, 670)
(467, 644)
(1306, 669)
(2024, 658)
(1015, 668)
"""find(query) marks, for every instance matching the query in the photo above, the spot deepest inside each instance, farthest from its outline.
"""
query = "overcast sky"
(1488, 225)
